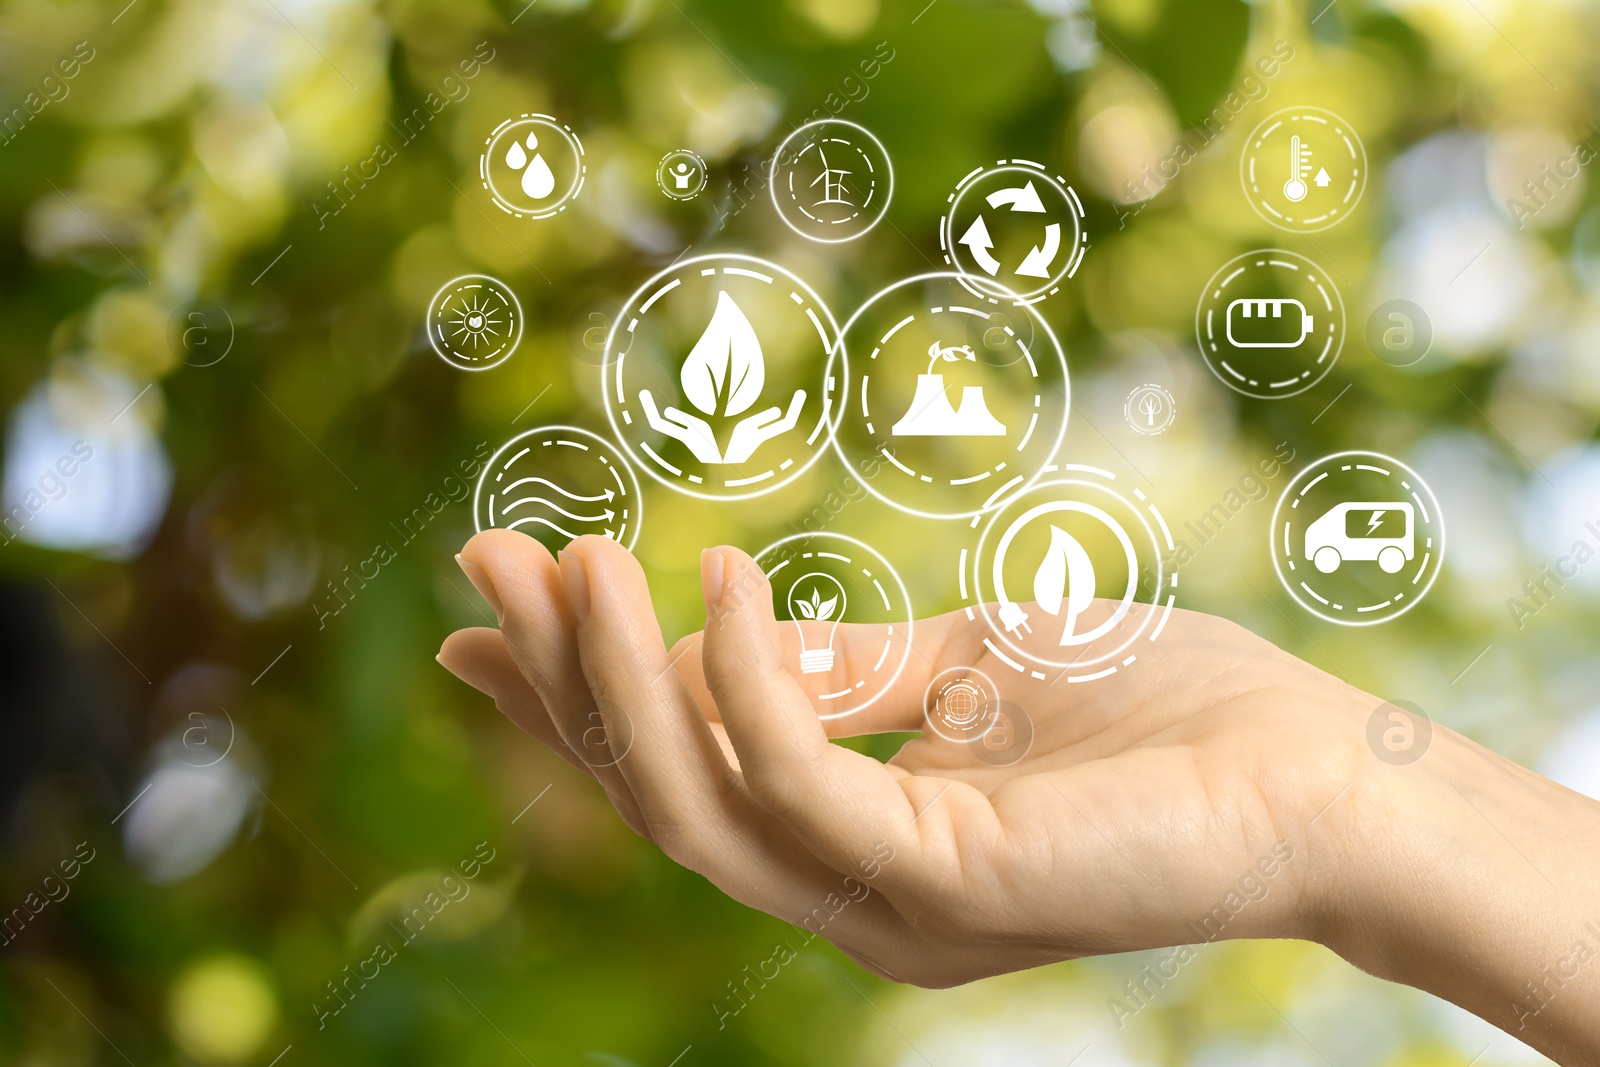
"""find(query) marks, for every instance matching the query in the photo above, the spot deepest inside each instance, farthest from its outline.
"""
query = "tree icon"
(1150, 407)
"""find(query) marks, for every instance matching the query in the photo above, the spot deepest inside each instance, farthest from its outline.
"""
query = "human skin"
(1143, 801)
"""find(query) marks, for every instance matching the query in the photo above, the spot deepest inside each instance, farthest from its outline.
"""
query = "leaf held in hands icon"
(724, 374)
(1067, 573)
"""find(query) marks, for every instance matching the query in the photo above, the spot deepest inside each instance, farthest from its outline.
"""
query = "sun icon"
(475, 322)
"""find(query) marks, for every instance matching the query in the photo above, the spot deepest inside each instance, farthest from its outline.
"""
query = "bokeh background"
(215, 801)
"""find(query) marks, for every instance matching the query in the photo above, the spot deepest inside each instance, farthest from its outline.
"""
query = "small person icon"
(681, 175)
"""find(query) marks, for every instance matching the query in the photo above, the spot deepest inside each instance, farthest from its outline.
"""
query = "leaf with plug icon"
(1067, 573)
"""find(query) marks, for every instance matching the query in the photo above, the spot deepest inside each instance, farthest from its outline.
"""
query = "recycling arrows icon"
(1023, 199)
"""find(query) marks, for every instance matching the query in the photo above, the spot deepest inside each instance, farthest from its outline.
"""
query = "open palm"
(1174, 801)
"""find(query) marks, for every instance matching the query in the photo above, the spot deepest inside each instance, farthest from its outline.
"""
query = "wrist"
(1470, 877)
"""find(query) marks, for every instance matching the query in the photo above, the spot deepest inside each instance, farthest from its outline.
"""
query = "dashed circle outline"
(580, 168)
(1272, 531)
(905, 598)
(991, 289)
(1010, 489)
(1258, 200)
(888, 167)
(971, 585)
(453, 286)
(984, 683)
(1172, 409)
(613, 457)
(705, 174)
(1337, 343)
(833, 399)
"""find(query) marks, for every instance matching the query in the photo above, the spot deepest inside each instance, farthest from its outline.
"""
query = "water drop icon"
(520, 173)
(537, 179)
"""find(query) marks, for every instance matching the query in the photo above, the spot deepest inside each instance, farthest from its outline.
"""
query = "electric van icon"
(1363, 531)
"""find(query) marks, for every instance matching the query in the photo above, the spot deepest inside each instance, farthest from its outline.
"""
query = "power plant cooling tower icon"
(930, 413)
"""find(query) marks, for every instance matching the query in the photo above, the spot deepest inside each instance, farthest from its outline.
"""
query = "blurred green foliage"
(185, 161)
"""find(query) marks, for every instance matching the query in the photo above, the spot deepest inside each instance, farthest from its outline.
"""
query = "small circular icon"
(960, 703)
(557, 483)
(1399, 732)
(681, 174)
(956, 426)
(831, 180)
(588, 329)
(1150, 410)
(820, 581)
(532, 166)
(1357, 538)
(1009, 737)
(1399, 333)
(1270, 323)
(474, 322)
(1014, 232)
(1071, 575)
(719, 378)
(200, 333)
(1304, 169)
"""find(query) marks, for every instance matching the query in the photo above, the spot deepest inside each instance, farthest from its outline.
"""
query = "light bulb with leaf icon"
(723, 377)
(816, 597)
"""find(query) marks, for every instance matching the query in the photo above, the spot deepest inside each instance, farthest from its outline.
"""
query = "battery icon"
(1283, 323)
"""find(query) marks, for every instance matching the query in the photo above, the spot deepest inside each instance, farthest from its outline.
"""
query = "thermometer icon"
(1295, 188)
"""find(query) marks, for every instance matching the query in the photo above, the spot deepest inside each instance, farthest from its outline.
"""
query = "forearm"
(1479, 881)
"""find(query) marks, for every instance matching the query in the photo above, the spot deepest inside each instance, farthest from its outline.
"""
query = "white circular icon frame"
(777, 162)
(514, 207)
(1012, 487)
(1205, 325)
(975, 590)
(988, 287)
(437, 307)
(1279, 532)
(1150, 389)
(616, 462)
(834, 389)
(909, 622)
(950, 678)
(1264, 201)
(701, 170)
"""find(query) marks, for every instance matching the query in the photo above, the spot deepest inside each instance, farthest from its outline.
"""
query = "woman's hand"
(1159, 806)
(1218, 788)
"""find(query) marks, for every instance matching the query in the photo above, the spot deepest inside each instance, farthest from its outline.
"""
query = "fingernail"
(480, 581)
(577, 583)
(712, 565)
